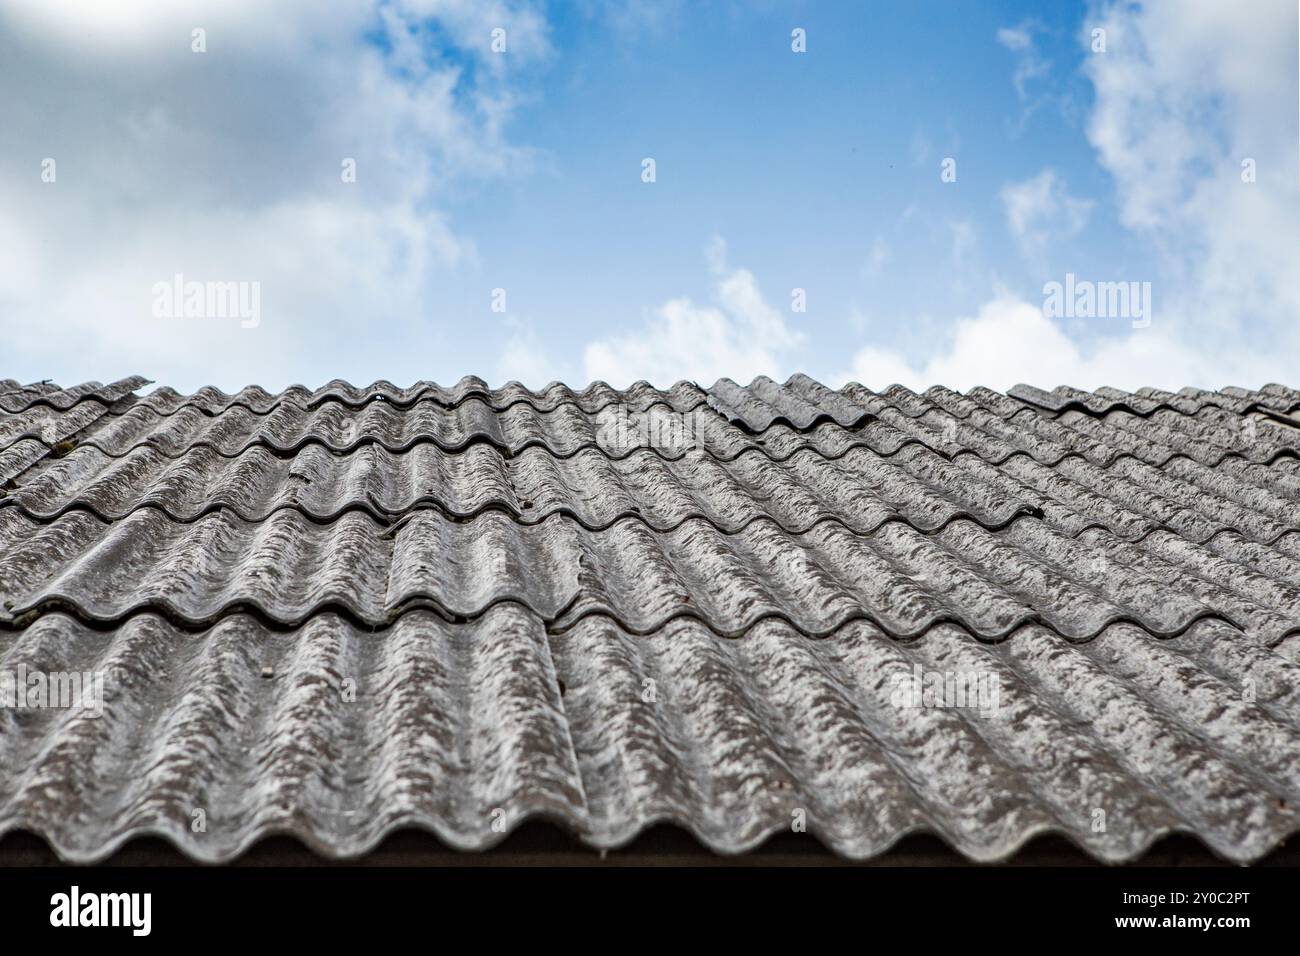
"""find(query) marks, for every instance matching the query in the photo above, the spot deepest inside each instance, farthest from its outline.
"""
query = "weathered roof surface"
(345, 611)
(683, 396)
(15, 397)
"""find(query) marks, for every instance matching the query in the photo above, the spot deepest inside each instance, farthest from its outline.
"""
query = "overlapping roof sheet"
(344, 611)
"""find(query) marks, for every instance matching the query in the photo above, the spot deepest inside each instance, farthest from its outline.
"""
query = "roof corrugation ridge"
(50, 426)
(529, 725)
(64, 398)
(14, 389)
(1126, 495)
(1147, 401)
(802, 402)
(799, 404)
(17, 458)
(942, 421)
(861, 488)
(903, 580)
(1074, 495)
(997, 427)
(564, 431)
(290, 427)
(682, 396)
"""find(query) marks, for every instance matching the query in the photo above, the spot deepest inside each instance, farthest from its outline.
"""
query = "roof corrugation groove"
(500, 572)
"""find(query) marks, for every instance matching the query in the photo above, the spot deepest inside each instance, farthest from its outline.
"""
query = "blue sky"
(521, 171)
(804, 164)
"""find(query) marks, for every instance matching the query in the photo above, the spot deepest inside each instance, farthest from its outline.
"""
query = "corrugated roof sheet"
(683, 396)
(545, 607)
(15, 397)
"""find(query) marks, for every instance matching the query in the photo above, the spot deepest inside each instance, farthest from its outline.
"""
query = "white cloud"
(1184, 93)
(1041, 209)
(1015, 38)
(469, 24)
(739, 337)
(121, 30)
(225, 166)
(1030, 64)
(524, 359)
(1010, 341)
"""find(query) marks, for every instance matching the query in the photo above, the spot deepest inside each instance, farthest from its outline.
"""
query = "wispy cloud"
(1030, 63)
(1041, 209)
(878, 257)
(962, 233)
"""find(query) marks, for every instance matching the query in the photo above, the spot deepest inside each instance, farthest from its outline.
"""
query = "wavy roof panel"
(343, 611)
(340, 736)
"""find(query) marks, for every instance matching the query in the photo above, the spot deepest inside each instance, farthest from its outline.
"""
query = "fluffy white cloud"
(226, 166)
(1185, 91)
(1184, 94)
(739, 337)
(1010, 341)
(1041, 209)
